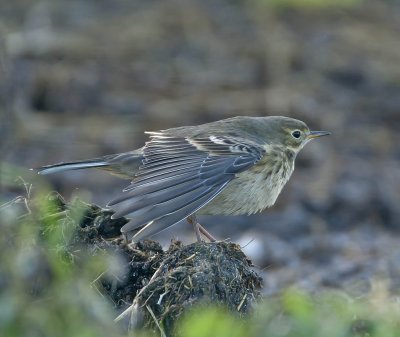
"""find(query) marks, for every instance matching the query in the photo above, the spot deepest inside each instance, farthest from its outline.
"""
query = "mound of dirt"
(158, 286)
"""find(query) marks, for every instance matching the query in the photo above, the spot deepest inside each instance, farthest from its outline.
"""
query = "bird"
(233, 166)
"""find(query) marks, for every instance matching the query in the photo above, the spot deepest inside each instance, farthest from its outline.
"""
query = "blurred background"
(85, 78)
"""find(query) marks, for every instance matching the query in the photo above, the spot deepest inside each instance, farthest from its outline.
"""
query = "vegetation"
(46, 290)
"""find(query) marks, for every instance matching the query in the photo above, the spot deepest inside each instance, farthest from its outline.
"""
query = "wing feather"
(168, 164)
(162, 173)
(191, 198)
(145, 190)
(178, 176)
(170, 219)
(159, 197)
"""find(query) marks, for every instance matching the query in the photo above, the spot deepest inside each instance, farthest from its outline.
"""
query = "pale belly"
(250, 191)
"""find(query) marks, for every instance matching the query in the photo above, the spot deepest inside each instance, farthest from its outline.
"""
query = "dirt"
(164, 284)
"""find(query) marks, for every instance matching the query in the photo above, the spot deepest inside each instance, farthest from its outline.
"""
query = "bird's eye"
(296, 134)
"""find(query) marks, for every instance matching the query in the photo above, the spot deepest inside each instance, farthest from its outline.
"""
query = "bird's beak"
(316, 134)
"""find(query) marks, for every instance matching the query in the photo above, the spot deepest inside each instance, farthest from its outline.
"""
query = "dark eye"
(296, 134)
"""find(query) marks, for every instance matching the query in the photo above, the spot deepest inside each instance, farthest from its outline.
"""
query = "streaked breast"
(253, 190)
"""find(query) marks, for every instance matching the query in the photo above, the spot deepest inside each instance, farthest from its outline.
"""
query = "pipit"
(228, 167)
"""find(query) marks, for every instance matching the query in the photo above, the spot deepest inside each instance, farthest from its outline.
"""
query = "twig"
(161, 297)
(13, 201)
(191, 257)
(129, 310)
(247, 243)
(98, 277)
(241, 302)
(155, 320)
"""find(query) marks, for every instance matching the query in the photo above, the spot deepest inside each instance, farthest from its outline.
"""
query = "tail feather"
(61, 167)
(123, 165)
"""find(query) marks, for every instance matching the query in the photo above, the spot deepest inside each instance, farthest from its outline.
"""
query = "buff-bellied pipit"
(229, 167)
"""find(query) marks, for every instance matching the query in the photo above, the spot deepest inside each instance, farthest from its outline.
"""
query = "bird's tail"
(123, 165)
(76, 165)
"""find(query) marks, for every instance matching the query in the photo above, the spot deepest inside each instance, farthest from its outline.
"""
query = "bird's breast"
(253, 190)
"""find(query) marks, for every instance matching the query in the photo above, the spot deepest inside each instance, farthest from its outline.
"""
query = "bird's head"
(293, 134)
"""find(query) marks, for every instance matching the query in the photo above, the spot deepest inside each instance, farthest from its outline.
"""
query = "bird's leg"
(206, 233)
(192, 219)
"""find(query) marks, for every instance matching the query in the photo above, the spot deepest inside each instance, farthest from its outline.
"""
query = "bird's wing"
(178, 176)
